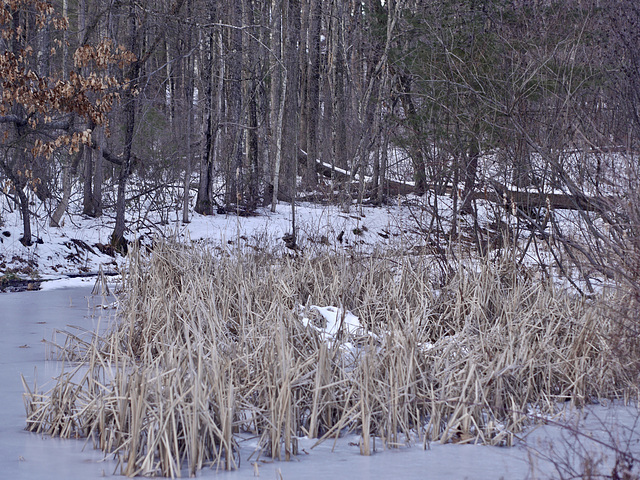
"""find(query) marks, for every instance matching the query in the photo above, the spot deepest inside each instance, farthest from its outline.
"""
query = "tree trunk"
(214, 92)
(188, 88)
(98, 174)
(278, 154)
(417, 157)
(291, 125)
(65, 46)
(251, 93)
(43, 54)
(68, 171)
(293, 111)
(26, 239)
(187, 173)
(203, 200)
(339, 101)
(87, 175)
(117, 237)
(23, 202)
(313, 92)
(234, 195)
(278, 91)
(470, 175)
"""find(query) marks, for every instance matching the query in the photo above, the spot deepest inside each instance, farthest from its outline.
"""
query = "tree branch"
(23, 121)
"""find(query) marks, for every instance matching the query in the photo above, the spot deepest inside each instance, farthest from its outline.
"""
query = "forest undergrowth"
(206, 346)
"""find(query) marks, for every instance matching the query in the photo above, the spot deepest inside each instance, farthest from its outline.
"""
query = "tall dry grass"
(206, 346)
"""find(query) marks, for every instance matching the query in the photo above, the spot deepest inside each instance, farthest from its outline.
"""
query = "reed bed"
(207, 346)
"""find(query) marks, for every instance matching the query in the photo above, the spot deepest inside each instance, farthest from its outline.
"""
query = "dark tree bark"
(213, 70)
(278, 93)
(338, 122)
(188, 75)
(313, 92)
(417, 156)
(253, 153)
(88, 207)
(234, 171)
(291, 127)
(98, 175)
(23, 202)
(117, 237)
(69, 171)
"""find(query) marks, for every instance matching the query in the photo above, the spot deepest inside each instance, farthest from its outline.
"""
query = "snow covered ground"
(74, 248)
(78, 246)
(28, 318)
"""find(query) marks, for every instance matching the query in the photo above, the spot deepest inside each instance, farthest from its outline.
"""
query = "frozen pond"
(27, 318)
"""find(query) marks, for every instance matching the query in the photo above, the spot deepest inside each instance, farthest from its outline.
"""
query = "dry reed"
(206, 346)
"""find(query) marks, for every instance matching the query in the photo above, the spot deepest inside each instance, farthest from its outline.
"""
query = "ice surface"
(26, 319)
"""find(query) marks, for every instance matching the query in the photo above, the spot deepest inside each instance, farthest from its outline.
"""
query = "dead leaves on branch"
(44, 13)
(103, 55)
(88, 92)
(72, 142)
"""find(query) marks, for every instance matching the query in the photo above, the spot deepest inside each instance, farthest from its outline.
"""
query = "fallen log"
(497, 193)
(529, 199)
(394, 187)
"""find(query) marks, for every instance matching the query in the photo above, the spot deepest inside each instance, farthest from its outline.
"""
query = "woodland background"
(240, 104)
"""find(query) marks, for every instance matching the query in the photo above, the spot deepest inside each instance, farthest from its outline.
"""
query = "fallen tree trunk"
(556, 201)
(394, 187)
(496, 193)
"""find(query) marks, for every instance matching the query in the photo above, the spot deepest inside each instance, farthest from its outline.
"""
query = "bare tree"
(213, 71)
